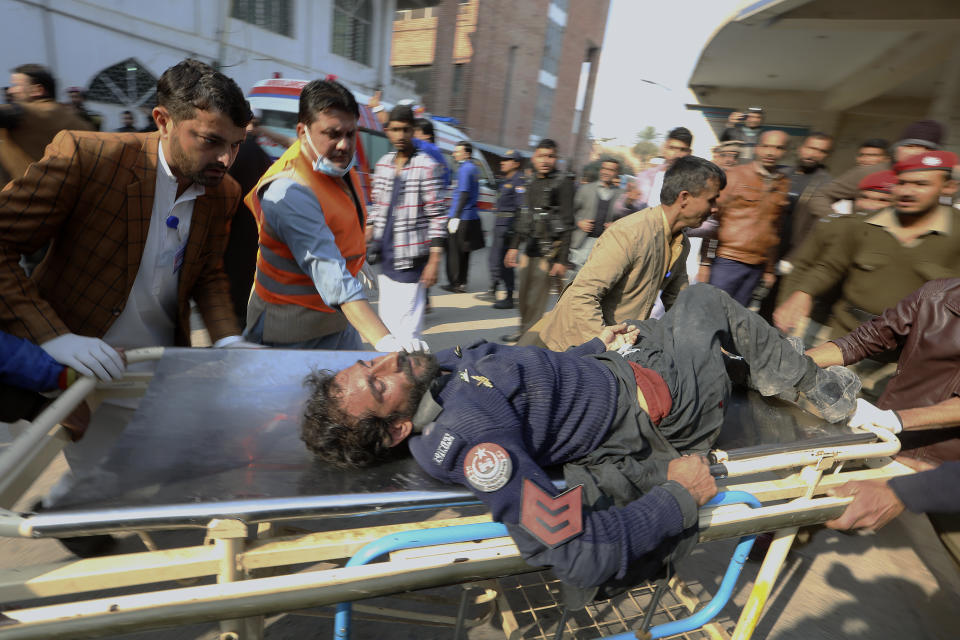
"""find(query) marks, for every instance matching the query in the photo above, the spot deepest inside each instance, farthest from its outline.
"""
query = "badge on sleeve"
(550, 520)
(487, 467)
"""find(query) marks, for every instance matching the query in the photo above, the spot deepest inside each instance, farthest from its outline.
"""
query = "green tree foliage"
(645, 146)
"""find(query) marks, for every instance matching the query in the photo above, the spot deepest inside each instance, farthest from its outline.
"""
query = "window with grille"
(126, 83)
(351, 29)
(272, 15)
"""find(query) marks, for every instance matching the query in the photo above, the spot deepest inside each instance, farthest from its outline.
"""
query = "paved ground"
(896, 584)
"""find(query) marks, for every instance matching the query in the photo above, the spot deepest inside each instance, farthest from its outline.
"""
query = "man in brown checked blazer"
(93, 195)
(138, 224)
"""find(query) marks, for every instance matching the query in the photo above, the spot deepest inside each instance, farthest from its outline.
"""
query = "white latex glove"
(236, 342)
(453, 224)
(390, 342)
(243, 344)
(87, 356)
(867, 413)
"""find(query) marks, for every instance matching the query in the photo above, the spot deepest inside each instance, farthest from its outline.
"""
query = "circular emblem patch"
(487, 467)
(932, 161)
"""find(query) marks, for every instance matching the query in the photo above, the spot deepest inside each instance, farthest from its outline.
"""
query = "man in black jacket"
(546, 224)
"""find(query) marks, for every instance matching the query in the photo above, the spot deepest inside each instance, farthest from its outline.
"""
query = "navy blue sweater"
(26, 366)
(544, 408)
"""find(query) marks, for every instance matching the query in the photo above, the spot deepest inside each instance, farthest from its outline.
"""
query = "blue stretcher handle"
(412, 540)
(707, 613)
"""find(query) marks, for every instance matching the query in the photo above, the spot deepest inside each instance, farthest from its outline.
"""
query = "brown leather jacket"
(927, 325)
(749, 214)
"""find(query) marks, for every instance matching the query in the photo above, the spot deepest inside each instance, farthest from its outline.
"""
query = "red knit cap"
(927, 161)
(879, 181)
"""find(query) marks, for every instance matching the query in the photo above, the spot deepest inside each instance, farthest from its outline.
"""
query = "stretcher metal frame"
(244, 564)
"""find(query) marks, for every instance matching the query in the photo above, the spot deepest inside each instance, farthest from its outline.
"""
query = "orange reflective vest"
(279, 279)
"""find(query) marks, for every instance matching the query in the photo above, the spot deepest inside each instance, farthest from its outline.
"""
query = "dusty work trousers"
(534, 290)
(684, 347)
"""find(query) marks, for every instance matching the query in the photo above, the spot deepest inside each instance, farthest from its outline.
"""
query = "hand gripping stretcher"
(214, 448)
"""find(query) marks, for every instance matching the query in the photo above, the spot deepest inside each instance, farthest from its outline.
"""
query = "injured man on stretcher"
(628, 415)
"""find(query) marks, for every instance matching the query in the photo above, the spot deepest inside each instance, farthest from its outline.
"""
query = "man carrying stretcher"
(493, 417)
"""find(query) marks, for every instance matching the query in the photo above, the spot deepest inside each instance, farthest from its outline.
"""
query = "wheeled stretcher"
(214, 447)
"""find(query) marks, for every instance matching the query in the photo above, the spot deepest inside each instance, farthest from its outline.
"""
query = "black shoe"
(512, 337)
(506, 303)
(454, 288)
(488, 296)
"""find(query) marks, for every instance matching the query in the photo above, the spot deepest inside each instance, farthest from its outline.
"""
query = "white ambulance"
(277, 102)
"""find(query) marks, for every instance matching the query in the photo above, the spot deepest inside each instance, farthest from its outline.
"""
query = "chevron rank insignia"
(550, 520)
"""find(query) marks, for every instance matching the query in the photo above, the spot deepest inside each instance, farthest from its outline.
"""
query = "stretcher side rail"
(137, 569)
(165, 517)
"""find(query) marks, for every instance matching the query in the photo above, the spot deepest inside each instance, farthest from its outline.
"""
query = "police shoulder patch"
(487, 467)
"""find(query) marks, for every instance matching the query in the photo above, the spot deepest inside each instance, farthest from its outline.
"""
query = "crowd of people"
(820, 284)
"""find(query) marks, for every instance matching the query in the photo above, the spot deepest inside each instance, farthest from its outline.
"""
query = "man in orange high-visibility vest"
(311, 219)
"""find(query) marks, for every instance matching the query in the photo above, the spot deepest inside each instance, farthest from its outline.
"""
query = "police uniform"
(873, 268)
(509, 199)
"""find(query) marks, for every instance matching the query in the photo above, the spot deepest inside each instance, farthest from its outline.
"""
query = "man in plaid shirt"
(406, 227)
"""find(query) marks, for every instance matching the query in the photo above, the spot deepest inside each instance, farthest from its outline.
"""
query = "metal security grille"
(351, 29)
(272, 15)
(126, 83)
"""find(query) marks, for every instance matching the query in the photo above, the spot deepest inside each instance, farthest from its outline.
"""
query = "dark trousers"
(684, 347)
(498, 272)
(736, 278)
(534, 290)
(458, 262)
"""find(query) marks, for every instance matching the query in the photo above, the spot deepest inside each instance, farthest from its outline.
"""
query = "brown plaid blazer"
(92, 195)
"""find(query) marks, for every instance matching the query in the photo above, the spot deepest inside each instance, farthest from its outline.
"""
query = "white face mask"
(324, 166)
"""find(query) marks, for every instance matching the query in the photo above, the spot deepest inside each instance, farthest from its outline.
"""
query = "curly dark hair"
(327, 431)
